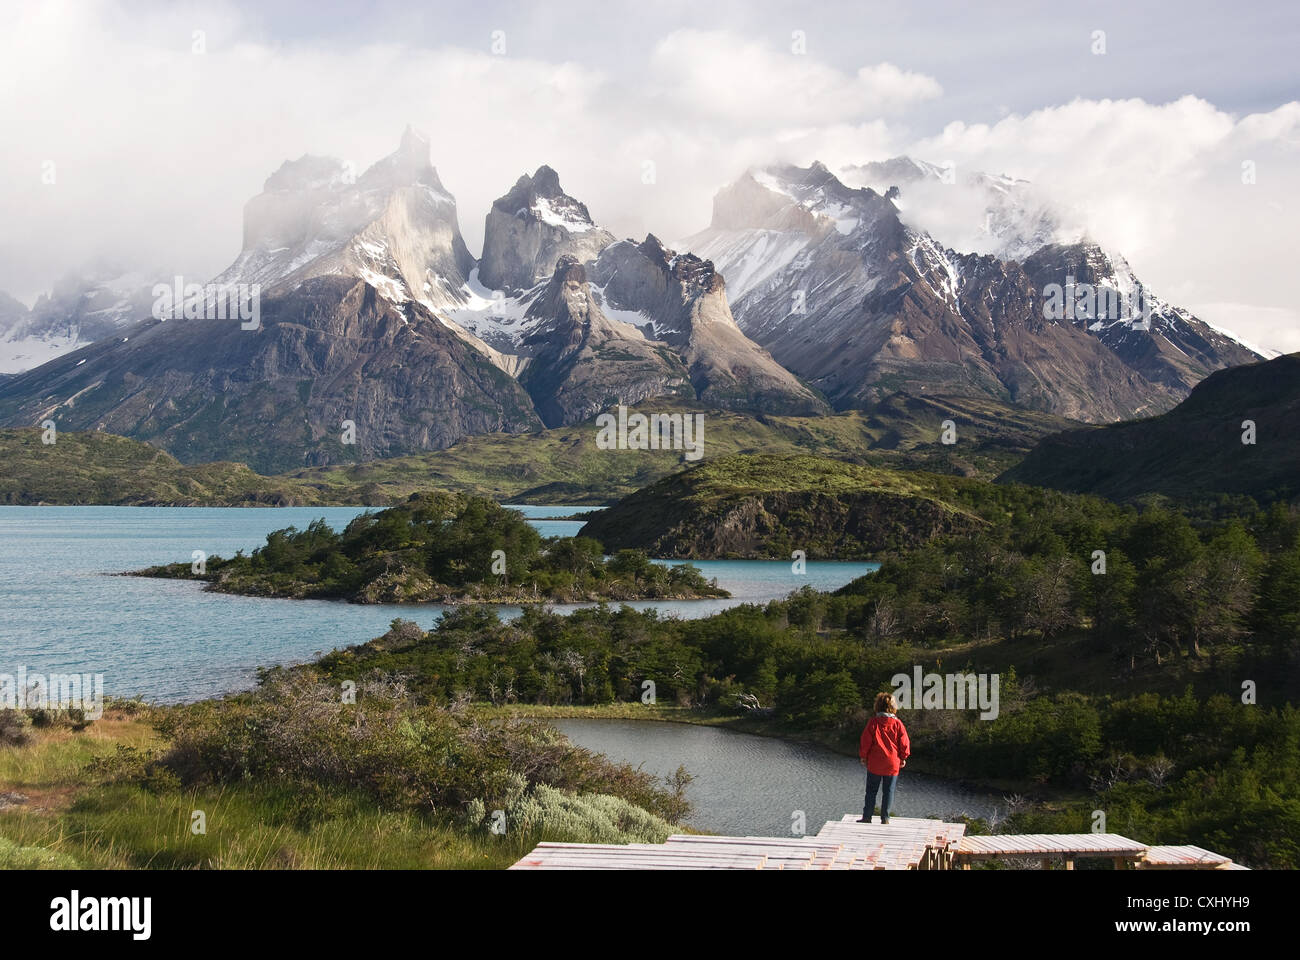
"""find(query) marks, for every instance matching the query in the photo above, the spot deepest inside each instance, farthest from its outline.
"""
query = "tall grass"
(290, 778)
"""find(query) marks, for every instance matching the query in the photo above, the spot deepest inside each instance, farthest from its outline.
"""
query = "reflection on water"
(751, 785)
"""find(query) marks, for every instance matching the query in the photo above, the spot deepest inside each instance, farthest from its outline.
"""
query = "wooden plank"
(1078, 844)
(903, 844)
(1186, 857)
(595, 861)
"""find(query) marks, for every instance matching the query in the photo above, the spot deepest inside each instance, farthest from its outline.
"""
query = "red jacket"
(884, 745)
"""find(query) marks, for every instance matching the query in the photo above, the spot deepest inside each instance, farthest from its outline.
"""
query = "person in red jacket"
(883, 750)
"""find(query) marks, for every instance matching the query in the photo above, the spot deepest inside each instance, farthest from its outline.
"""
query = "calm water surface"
(749, 785)
(167, 640)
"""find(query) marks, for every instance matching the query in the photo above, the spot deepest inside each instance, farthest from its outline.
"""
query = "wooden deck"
(1051, 847)
(1186, 857)
(906, 843)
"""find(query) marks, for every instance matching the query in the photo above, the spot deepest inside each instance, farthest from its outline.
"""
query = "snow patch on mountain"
(557, 214)
(498, 320)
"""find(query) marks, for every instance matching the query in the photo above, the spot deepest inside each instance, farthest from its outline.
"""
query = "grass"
(54, 762)
(70, 816)
(122, 826)
(772, 474)
(101, 468)
(763, 507)
(69, 819)
(561, 465)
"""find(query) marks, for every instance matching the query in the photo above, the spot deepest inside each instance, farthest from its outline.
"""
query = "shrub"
(15, 728)
(549, 814)
(296, 731)
(14, 857)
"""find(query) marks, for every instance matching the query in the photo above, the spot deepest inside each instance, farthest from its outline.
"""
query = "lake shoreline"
(447, 599)
(644, 713)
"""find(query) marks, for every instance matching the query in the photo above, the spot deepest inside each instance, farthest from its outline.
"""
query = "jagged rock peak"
(531, 227)
(414, 145)
(540, 197)
(409, 163)
(568, 269)
(788, 197)
(566, 293)
(690, 270)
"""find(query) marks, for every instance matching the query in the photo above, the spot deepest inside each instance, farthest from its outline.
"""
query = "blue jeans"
(886, 787)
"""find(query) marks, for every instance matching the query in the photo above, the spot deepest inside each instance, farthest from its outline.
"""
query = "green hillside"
(764, 506)
(564, 465)
(561, 465)
(101, 468)
(1192, 452)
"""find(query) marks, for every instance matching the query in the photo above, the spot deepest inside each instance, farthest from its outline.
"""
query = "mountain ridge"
(1191, 452)
(835, 284)
(808, 295)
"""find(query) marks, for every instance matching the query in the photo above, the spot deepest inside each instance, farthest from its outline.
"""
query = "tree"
(1110, 596)
(1277, 613)
(1043, 600)
(1229, 572)
(1167, 554)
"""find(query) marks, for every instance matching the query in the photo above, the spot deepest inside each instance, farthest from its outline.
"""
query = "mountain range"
(835, 284)
(804, 295)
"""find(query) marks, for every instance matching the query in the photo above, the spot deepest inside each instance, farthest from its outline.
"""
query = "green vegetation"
(765, 506)
(1120, 691)
(1193, 452)
(441, 547)
(14, 857)
(562, 465)
(292, 775)
(100, 468)
(1160, 691)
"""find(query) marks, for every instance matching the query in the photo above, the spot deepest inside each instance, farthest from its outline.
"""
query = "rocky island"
(440, 548)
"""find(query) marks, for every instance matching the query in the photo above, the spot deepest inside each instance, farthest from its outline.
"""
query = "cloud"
(1200, 202)
(156, 148)
(727, 82)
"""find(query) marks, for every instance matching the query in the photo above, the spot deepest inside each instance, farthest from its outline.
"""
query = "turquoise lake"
(61, 610)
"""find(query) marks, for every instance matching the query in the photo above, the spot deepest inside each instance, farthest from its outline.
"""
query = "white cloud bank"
(155, 147)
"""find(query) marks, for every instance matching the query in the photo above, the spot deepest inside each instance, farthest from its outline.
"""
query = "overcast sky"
(154, 148)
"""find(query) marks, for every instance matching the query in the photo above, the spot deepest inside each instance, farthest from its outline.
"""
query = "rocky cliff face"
(367, 283)
(833, 282)
(1175, 354)
(682, 301)
(583, 362)
(654, 314)
(329, 350)
(394, 226)
(530, 228)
